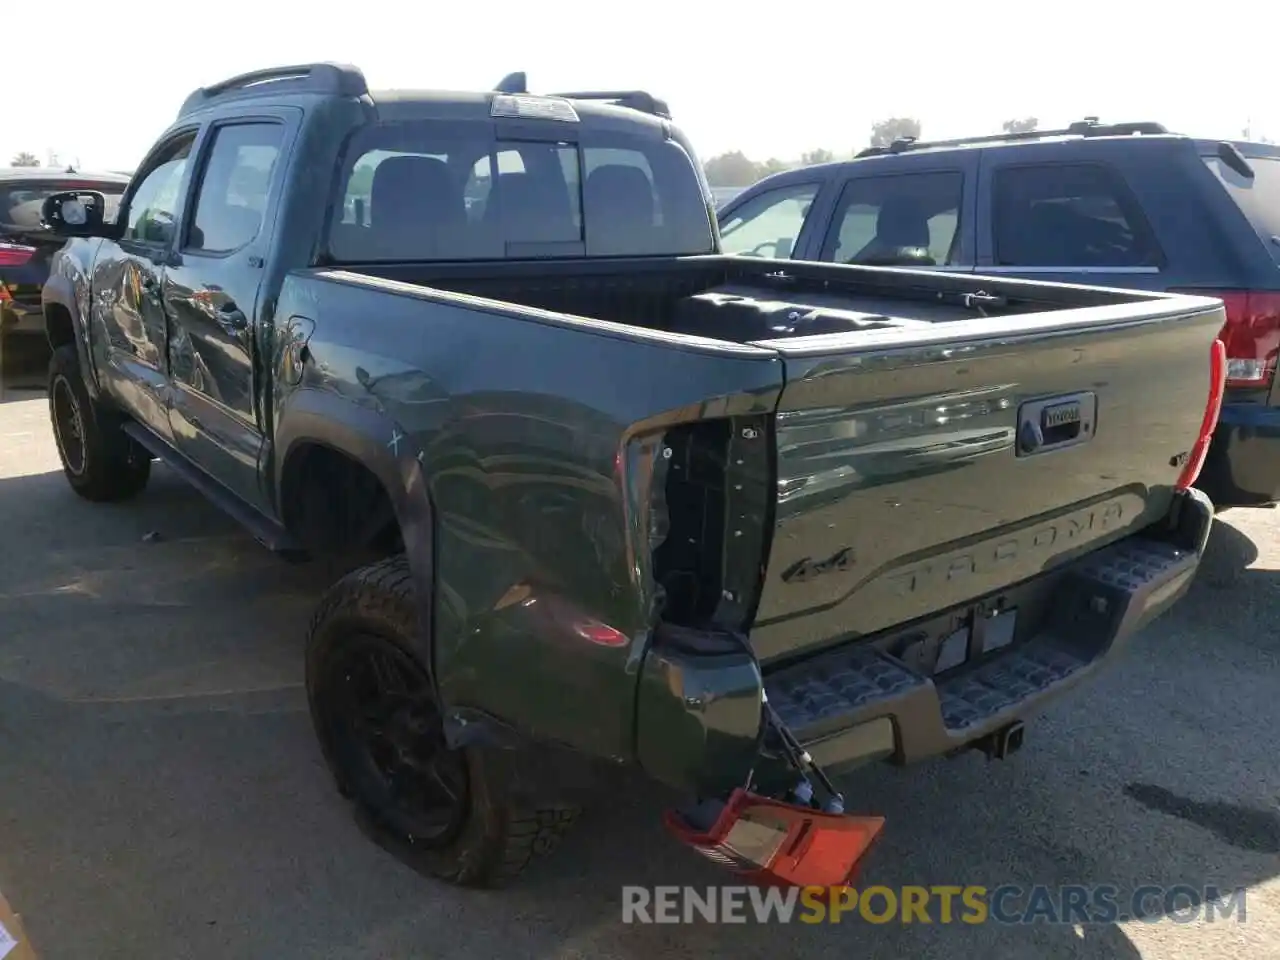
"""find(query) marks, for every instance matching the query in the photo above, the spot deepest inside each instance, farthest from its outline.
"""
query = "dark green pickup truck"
(611, 498)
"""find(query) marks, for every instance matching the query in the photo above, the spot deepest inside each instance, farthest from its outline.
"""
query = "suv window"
(1068, 215)
(153, 207)
(910, 219)
(768, 224)
(1258, 198)
(234, 186)
(437, 190)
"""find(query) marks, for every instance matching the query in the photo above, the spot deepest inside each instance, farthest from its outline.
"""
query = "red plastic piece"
(1213, 408)
(782, 844)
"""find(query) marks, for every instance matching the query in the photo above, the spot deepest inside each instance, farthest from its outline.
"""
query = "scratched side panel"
(901, 493)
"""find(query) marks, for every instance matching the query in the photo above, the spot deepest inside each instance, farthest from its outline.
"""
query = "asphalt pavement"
(162, 796)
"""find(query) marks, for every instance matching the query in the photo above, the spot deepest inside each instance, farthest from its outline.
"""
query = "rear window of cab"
(437, 190)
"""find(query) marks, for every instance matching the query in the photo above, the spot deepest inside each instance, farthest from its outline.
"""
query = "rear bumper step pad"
(831, 701)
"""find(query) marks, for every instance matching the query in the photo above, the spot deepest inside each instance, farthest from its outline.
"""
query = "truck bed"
(898, 412)
(830, 498)
(745, 300)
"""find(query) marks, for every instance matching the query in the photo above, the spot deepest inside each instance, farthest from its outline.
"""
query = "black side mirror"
(75, 213)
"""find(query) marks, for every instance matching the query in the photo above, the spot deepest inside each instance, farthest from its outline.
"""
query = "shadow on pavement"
(161, 793)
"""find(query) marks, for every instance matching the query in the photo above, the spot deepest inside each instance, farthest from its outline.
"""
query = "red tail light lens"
(1213, 407)
(1251, 334)
(14, 255)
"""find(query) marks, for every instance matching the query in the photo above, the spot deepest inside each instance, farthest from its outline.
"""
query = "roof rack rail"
(635, 99)
(1088, 127)
(518, 82)
(332, 78)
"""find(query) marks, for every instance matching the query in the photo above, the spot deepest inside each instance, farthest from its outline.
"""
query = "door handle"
(231, 318)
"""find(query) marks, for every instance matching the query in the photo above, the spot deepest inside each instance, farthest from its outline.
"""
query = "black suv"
(25, 244)
(1121, 205)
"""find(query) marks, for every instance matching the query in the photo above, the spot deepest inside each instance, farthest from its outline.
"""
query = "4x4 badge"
(808, 568)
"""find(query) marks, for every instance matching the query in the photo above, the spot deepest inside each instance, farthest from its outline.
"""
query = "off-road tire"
(499, 836)
(103, 464)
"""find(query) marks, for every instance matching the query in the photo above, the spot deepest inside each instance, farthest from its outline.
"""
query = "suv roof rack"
(635, 99)
(331, 78)
(1088, 127)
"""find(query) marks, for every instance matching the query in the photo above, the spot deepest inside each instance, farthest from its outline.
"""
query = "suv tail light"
(1212, 408)
(1251, 334)
(14, 255)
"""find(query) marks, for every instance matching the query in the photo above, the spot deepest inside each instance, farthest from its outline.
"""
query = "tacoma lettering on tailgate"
(1044, 540)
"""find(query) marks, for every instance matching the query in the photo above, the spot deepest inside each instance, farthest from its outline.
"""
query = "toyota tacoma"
(614, 499)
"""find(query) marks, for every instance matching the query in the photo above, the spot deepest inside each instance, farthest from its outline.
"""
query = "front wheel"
(375, 714)
(100, 461)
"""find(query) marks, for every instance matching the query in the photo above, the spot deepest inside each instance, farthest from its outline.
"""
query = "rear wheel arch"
(327, 446)
(59, 326)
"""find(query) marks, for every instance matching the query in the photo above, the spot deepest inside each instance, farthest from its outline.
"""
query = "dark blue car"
(1121, 205)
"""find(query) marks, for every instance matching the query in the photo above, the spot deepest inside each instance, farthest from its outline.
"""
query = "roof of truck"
(632, 107)
(471, 104)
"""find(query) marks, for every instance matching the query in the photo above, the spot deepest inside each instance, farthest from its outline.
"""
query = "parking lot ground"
(162, 796)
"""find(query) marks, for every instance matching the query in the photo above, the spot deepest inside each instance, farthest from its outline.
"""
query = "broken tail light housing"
(1213, 408)
(774, 843)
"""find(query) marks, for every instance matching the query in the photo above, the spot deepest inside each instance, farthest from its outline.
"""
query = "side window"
(911, 219)
(1068, 215)
(153, 207)
(234, 187)
(768, 225)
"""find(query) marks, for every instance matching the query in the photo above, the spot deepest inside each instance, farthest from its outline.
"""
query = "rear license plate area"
(982, 631)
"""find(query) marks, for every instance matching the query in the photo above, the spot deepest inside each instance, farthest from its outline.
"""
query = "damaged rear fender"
(310, 418)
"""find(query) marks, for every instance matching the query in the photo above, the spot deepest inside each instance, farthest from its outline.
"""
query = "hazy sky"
(769, 79)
